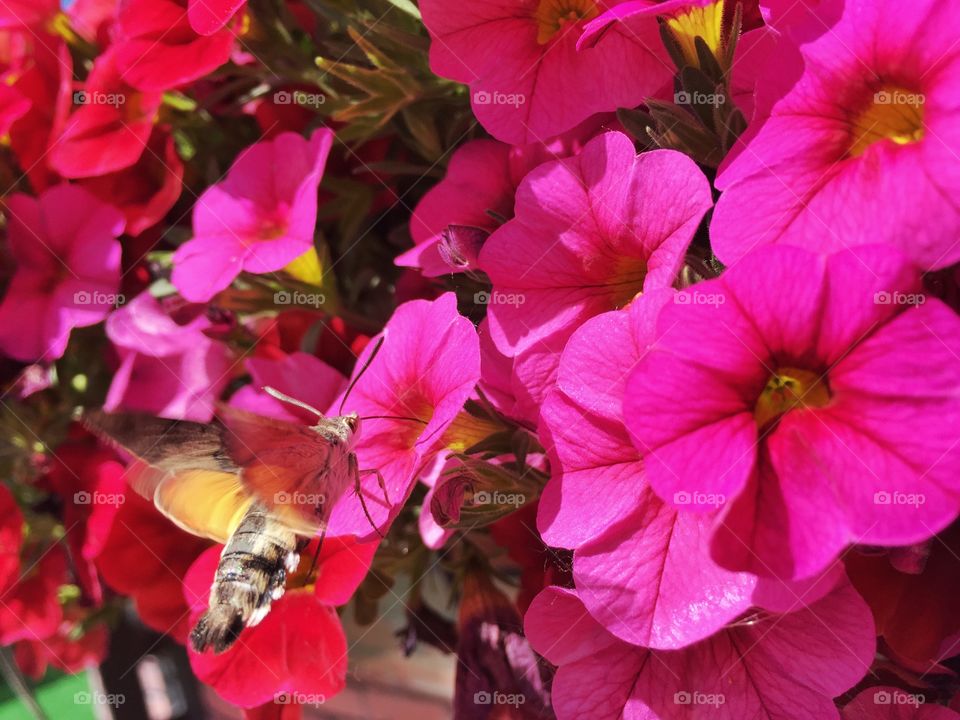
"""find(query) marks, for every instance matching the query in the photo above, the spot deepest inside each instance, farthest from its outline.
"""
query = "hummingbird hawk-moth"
(261, 486)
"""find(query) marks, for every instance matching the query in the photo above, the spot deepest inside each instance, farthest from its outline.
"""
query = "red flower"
(30, 610)
(45, 79)
(90, 483)
(298, 653)
(110, 128)
(157, 49)
(11, 538)
(146, 557)
(145, 191)
(62, 650)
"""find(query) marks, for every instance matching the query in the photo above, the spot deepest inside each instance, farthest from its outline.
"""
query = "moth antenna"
(366, 365)
(273, 392)
(393, 417)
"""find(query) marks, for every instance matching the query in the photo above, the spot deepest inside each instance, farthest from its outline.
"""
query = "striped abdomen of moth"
(252, 573)
(232, 481)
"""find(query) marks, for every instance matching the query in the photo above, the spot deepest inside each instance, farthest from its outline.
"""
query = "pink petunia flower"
(892, 703)
(426, 370)
(766, 665)
(527, 79)
(157, 49)
(166, 369)
(258, 219)
(635, 556)
(305, 377)
(67, 270)
(299, 649)
(813, 399)
(855, 138)
(478, 192)
(590, 233)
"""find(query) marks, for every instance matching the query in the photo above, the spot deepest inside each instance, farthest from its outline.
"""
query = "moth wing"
(207, 503)
(288, 467)
(181, 466)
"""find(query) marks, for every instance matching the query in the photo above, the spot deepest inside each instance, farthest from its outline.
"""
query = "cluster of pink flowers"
(679, 334)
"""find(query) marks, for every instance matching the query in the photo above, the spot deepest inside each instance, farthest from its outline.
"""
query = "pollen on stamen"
(893, 113)
(552, 16)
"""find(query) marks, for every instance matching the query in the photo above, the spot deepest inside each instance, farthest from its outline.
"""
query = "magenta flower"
(813, 399)
(478, 192)
(590, 233)
(635, 556)
(166, 369)
(776, 666)
(258, 219)
(64, 244)
(299, 375)
(527, 79)
(855, 139)
(891, 703)
(426, 369)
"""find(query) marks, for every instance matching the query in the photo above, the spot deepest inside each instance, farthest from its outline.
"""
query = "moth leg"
(354, 469)
(380, 481)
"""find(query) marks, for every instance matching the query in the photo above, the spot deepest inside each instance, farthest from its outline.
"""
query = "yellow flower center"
(790, 388)
(704, 22)
(893, 114)
(552, 16)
